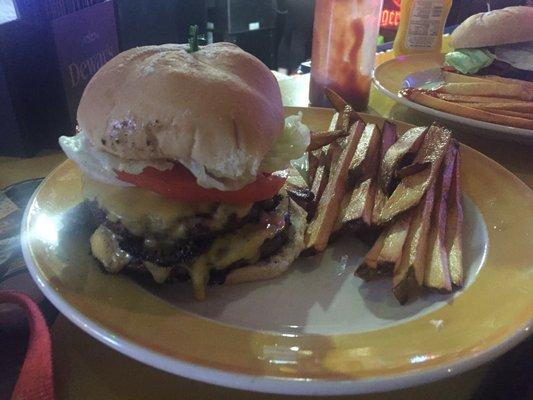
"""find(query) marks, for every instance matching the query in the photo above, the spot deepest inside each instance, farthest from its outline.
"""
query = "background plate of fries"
(319, 329)
(504, 107)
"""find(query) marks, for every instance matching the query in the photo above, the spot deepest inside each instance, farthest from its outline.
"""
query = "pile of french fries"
(492, 99)
(404, 190)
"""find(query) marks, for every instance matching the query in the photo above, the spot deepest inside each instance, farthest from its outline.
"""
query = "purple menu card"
(85, 40)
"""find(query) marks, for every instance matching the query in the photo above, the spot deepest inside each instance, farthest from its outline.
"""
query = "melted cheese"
(245, 244)
(134, 207)
(104, 246)
(160, 274)
(142, 211)
(227, 249)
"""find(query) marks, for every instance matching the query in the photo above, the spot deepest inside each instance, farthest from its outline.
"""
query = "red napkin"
(35, 380)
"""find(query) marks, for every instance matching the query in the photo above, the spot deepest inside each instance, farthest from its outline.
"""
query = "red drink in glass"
(344, 47)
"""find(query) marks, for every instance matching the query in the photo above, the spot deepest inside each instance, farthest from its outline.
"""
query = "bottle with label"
(421, 26)
(344, 49)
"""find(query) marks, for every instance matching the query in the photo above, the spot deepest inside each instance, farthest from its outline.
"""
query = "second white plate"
(423, 70)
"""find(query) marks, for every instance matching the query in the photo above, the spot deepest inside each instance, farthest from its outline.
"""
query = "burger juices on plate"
(498, 42)
(184, 157)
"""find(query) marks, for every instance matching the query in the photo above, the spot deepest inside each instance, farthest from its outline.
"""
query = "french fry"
(407, 195)
(464, 111)
(352, 169)
(298, 190)
(437, 273)
(409, 271)
(388, 138)
(409, 142)
(386, 251)
(511, 113)
(411, 189)
(343, 122)
(335, 99)
(391, 251)
(351, 177)
(365, 159)
(319, 165)
(334, 121)
(345, 118)
(325, 158)
(358, 202)
(323, 138)
(454, 226)
(459, 98)
(301, 196)
(368, 269)
(340, 104)
(357, 206)
(314, 158)
(321, 227)
(522, 107)
(321, 177)
(412, 169)
(452, 77)
(500, 79)
(496, 89)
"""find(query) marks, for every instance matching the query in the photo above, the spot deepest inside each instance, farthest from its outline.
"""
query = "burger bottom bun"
(280, 262)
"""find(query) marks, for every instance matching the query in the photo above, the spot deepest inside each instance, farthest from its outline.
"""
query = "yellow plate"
(315, 330)
(424, 70)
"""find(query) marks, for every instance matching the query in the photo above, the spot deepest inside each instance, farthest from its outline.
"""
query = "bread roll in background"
(494, 28)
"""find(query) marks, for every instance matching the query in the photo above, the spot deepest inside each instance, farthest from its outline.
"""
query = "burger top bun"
(494, 28)
(218, 108)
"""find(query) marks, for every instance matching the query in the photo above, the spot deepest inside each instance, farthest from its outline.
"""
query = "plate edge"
(268, 384)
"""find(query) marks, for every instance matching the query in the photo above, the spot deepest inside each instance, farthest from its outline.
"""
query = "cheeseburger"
(183, 157)
(498, 42)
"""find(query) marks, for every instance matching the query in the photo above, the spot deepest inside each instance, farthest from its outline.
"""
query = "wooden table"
(87, 369)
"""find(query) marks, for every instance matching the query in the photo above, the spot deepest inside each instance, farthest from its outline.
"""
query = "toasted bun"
(280, 262)
(494, 28)
(219, 108)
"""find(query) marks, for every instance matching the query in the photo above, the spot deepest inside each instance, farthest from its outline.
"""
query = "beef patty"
(199, 237)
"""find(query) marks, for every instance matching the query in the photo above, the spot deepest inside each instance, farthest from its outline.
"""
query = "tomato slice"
(180, 184)
(448, 68)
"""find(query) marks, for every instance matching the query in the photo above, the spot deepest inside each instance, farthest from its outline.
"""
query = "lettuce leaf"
(101, 165)
(291, 145)
(468, 61)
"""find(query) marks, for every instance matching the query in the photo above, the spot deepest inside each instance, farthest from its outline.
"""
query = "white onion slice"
(519, 55)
